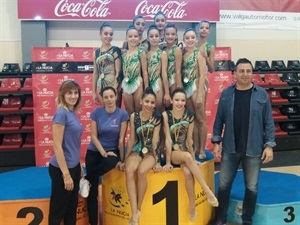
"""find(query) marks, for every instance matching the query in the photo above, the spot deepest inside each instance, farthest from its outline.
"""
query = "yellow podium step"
(165, 202)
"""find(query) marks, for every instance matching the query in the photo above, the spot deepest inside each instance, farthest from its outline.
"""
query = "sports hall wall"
(258, 41)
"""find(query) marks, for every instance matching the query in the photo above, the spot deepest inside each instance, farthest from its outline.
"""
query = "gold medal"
(144, 150)
(185, 80)
(102, 75)
(126, 79)
(176, 147)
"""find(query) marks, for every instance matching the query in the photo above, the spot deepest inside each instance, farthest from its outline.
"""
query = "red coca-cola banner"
(179, 10)
(52, 66)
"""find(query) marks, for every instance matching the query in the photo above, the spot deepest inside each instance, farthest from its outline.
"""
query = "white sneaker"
(84, 187)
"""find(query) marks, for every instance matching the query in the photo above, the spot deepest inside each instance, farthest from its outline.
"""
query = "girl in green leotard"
(134, 62)
(139, 23)
(157, 69)
(207, 50)
(160, 21)
(195, 85)
(174, 57)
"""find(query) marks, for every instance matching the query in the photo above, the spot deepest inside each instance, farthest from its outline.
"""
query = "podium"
(25, 198)
(165, 202)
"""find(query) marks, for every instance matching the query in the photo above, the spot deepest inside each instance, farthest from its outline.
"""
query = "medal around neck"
(176, 147)
(145, 150)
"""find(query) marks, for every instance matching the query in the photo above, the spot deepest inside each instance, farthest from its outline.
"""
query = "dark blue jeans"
(251, 168)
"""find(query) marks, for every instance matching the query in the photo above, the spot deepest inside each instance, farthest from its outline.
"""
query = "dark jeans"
(63, 203)
(96, 166)
(251, 169)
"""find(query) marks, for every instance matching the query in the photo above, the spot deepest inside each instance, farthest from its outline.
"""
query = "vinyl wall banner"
(52, 66)
(272, 14)
(217, 82)
(114, 10)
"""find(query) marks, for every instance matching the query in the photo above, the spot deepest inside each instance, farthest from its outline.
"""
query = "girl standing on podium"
(157, 69)
(138, 23)
(160, 21)
(207, 50)
(64, 168)
(174, 57)
(141, 155)
(107, 65)
(135, 72)
(195, 83)
(178, 128)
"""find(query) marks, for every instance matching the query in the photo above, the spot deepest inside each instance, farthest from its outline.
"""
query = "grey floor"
(281, 158)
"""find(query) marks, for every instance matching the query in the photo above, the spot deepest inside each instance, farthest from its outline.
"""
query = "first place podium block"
(165, 202)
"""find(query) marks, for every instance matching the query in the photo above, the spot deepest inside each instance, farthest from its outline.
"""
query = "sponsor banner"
(17, 212)
(165, 199)
(113, 10)
(259, 19)
(46, 54)
(258, 5)
(62, 67)
(222, 53)
(52, 66)
(217, 82)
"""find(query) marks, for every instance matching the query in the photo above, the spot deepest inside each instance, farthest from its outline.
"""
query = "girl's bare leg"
(179, 157)
(137, 95)
(131, 166)
(160, 106)
(196, 139)
(190, 189)
(145, 166)
(129, 103)
(200, 123)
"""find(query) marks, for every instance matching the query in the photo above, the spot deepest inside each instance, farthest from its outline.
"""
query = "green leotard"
(154, 70)
(131, 71)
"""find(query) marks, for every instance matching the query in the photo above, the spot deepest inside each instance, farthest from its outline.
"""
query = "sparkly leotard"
(190, 72)
(182, 124)
(105, 62)
(145, 131)
(171, 66)
(154, 70)
(131, 71)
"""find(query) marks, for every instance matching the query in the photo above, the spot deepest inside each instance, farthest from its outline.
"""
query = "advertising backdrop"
(113, 10)
(52, 66)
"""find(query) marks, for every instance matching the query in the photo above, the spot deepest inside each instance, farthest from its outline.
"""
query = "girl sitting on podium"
(141, 155)
(178, 128)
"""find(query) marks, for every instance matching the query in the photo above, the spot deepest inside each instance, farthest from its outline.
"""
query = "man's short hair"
(243, 60)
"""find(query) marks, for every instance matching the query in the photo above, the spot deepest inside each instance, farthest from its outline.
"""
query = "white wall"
(10, 33)
(255, 44)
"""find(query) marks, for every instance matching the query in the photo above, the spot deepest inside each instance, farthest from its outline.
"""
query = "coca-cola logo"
(171, 9)
(91, 8)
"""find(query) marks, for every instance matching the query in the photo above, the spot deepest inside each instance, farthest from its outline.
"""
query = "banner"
(217, 82)
(113, 10)
(259, 19)
(51, 67)
(271, 14)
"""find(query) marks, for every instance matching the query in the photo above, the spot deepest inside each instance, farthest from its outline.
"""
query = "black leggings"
(63, 203)
(96, 166)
